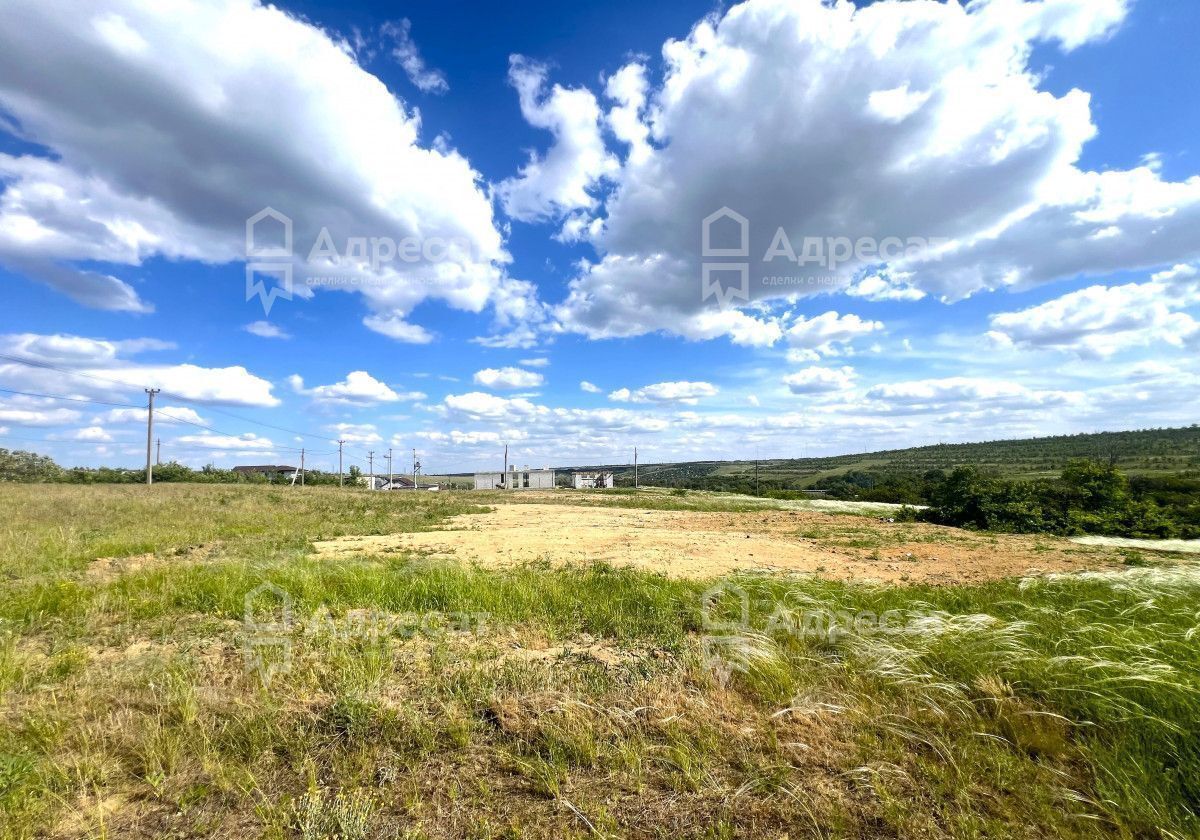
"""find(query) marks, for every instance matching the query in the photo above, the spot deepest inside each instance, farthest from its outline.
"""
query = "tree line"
(1087, 497)
(17, 465)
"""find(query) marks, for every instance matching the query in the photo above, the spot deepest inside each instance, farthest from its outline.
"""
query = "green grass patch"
(582, 701)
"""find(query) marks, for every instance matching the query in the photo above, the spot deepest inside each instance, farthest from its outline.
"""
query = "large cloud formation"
(919, 122)
(98, 368)
(1099, 321)
(167, 125)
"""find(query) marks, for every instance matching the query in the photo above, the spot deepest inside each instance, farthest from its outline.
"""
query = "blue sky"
(552, 171)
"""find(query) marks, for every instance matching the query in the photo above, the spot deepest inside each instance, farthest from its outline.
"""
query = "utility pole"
(504, 475)
(756, 471)
(371, 468)
(150, 392)
(635, 475)
(416, 468)
(158, 452)
(390, 472)
(301, 466)
(341, 478)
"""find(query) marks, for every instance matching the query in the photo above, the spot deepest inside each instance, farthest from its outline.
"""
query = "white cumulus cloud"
(561, 180)
(405, 51)
(942, 150)
(508, 378)
(358, 388)
(820, 380)
(356, 432)
(683, 392)
(247, 441)
(1099, 321)
(92, 433)
(77, 365)
(265, 329)
(275, 112)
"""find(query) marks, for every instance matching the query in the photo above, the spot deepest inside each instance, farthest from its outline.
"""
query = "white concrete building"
(592, 480)
(524, 479)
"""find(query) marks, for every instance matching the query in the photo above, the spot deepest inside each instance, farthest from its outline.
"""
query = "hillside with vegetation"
(1145, 452)
(1133, 484)
(1137, 484)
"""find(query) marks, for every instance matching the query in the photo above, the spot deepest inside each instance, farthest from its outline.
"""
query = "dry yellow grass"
(579, 701)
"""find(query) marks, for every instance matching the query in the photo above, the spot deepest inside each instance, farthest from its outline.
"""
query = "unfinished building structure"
(515, 479)
(592, 480)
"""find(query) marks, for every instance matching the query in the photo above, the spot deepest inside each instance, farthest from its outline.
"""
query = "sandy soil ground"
(695, 544)
(108, 568)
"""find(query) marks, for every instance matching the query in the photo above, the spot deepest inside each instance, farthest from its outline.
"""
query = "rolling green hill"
(1159, 452)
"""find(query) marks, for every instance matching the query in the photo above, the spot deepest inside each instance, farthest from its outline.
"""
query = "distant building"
(399, 482)
(489, 481)
(592, 480)
(525, 479)
(269, 471)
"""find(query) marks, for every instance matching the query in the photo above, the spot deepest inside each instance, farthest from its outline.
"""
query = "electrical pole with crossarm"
(150, 392)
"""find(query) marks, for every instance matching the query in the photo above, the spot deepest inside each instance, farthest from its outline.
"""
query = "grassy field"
(176, 662)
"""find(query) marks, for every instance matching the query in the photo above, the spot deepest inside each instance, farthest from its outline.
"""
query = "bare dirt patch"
(698, 545)
(108, 568)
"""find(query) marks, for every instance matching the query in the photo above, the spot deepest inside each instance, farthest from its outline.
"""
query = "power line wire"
(169, 394)
(126, 405)
(160, 413)
(47, 366)
(68, 399)
(41, 440)
(164, 414)
(6, 436)
(246, 419)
